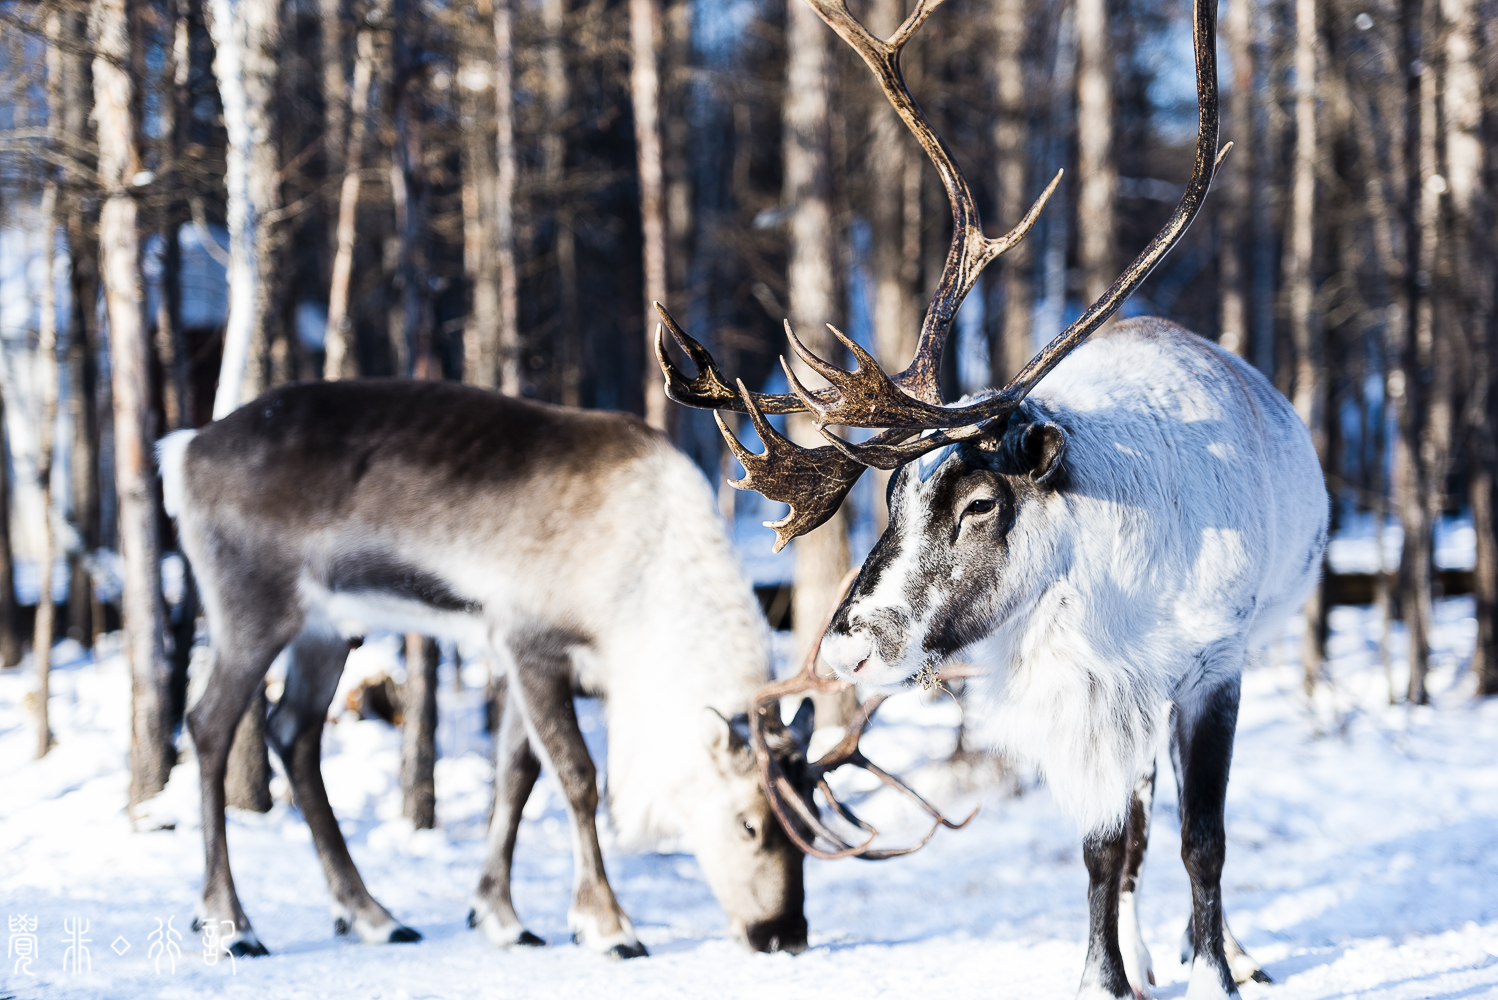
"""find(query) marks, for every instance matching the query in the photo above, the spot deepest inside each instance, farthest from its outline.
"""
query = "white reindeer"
(579, 548)
(1124, 541)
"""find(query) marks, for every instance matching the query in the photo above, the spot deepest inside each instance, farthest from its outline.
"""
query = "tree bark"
(10, 626)
(556, 97)
(1233, 181)
(1268, 127)
(644, 81)
(419, 736)
(46, 356)
(1097, 228)
(822, 555)
(480, 263)
(247, 774)
(1421, 213)
(506, 175)
(246, 35)
(1471, 217)
(151, 750)
(1011, 137)
(1305, 332)
(338, 357)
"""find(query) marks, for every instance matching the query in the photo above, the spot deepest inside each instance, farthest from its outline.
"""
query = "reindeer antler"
(814, 481)
(787, 802)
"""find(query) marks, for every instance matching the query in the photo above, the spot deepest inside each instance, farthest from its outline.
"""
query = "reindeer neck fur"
(439, 508)
(1189, 529)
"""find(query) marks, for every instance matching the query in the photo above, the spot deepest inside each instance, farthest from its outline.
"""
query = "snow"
(1361, 840)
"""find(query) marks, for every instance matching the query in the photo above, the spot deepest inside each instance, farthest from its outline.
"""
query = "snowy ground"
(1361, 862)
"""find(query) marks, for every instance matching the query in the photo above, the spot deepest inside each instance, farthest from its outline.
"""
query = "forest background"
(203, 199)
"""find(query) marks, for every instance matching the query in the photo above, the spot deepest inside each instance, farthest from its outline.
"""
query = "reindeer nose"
(845, 653)
(786, 933)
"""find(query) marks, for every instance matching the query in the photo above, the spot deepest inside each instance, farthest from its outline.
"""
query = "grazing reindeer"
(579, 548)
(1127, 538)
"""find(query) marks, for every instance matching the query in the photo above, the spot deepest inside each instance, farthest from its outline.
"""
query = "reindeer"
(579, 548)
(1126, 535)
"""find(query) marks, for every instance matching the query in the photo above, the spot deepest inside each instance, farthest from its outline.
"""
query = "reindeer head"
(754, 869)
(956, 555)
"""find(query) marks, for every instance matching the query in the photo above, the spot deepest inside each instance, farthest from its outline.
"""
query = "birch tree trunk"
(151, 751)
(506, 175)
(1233, 181)
(419, 732)
(1421, 207)
(822, 555)
(338, 356)
(557, 99)
(246, 35)
(46, 396)
(1471, 216)
(1097, 228)
(46, 360)
(10, 625)
(475, 97)
(1016, 270)
(1266, 155)
(1305, 333)
(644, 82)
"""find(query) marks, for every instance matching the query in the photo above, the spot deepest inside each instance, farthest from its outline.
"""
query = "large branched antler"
(795, 810)
(910, 402)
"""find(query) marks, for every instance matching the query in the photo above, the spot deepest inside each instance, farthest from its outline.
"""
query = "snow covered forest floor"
(1362, 861)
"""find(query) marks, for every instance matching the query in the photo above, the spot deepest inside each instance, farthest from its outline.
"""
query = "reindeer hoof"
(404, 935)
(622, 951)
(197, 925)
(473, 918)
(529, 940)
(248, 949)
(1260, 976)
(341, 925)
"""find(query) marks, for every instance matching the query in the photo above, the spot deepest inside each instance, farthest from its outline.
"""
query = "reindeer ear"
(722, 735)
(1035, 447)
(803, 724)
(1045, 446)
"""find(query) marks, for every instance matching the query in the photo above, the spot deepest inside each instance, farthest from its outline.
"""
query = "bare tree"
(1305, 333)
(419, 738)
(1471, 214)
(1097, 227)
(476, 74)
(1011, 139)
(10, 628)
(506, 175)
(338, 357)
(1233, 180)
(644, 80)
(151, 751)
(246, 35)
(821, 556)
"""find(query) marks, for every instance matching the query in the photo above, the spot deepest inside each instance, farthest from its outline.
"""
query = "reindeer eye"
(748, 829)
(982, 505)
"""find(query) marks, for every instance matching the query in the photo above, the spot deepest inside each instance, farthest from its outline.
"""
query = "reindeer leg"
(1206, 717)
(1136, 957)
(542, 681)
(515, 771)
(295, 730)
(242, 653)
(1104, 975)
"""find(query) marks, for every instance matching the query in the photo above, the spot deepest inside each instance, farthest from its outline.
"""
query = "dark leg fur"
(295, 731)
(1104, 975)
(242, 653)
(1203, 751)
(542, 682)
